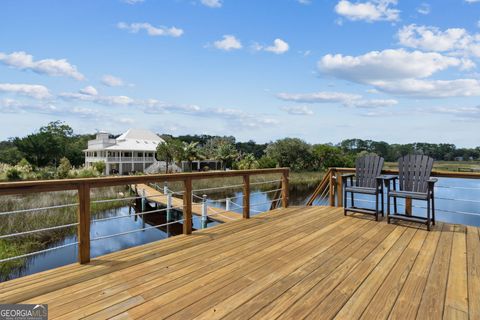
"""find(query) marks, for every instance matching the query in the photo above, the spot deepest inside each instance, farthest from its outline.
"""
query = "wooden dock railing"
(85, 186)
(330, 189)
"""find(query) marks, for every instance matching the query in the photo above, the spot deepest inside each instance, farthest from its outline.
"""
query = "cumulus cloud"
(30, 90)
(14, 106)
(89, 90)
(279, 47)
(150, 29)
(228, 43)
(212, 3)
(57, 68)
(433, 39)
(112, 81)
(462, 112)
(370, 11)
(388, 65)
(298, 110)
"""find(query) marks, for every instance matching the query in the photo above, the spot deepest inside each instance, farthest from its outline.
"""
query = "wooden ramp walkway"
(293, 263)
(214, 214)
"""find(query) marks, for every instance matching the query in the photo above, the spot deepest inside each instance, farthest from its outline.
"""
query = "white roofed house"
(133, 151)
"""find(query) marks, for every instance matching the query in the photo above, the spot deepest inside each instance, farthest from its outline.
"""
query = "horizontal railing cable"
(267, 202)
(39, 252)
(38, 230)
(219, 188)
(264, 182)
(137, 214)
(39, 209)
(136, 230)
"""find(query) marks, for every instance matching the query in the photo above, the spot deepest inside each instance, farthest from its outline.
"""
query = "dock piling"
(204, 212)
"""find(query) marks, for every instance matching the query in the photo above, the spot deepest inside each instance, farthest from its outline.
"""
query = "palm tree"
(169, 151)
(191, 152)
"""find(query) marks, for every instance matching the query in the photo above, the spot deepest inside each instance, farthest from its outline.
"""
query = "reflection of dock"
(214, 214)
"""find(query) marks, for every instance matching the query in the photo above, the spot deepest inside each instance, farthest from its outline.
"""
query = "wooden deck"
(214, 214)
(290, 263)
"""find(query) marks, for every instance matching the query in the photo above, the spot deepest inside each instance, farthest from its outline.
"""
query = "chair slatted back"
(367, 169)
(414, 171)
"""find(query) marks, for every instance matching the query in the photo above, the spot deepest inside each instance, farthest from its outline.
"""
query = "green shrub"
(64, 168)
(14, 174)
(266, 162)
(99, 166)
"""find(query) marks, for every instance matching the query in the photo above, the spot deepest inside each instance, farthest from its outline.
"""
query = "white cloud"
(462, 112)
(151, 30)
(228, 43)
(23, 61)
(112, 81)
(133, 1)
(212, 3)
(432, 88)
(424, 8)
(388, 65)
(89, 90)
(318, 97)
(371, 104)
(434, 39)
(30, 90)
(279, 47)
(472, 1)
(370, 11)
(90, 94)
(14, 106)
(298, 110)
(305, 2)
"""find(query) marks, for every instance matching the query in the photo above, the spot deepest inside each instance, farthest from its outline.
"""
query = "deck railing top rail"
(73, 184)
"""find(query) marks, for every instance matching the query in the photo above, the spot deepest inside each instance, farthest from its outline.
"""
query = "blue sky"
(321, 70)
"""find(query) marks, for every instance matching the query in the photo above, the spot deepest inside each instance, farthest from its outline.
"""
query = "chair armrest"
(431, 184)
(432, 180)
(345, 178)
(387, 178)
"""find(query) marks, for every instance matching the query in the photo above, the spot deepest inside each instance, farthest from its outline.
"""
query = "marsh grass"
(39, 219)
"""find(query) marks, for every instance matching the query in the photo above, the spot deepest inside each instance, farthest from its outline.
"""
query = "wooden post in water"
(285, 189)
(339, 190)
(204, 212)
(83, 223)
(331, 190)
(187, 206)
(246, 196)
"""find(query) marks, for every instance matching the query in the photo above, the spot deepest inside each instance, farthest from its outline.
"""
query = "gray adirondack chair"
(415, 183)
(368, 181)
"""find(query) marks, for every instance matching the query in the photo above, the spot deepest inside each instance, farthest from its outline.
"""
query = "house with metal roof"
(133, 151)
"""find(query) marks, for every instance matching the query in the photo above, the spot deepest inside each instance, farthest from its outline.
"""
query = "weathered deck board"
(215, 214)
(290, 263)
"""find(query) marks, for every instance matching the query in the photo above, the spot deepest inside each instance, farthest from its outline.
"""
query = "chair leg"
(428, 215)
(344, 202)
(352, 199)
(376, 206)
(388, 208)
(433, 210)
(383, 205)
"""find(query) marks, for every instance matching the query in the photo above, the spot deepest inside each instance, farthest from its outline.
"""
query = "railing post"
(187, 206)
(83, 223)
(227, 204)
(246, 196)
(331, 189)
(169, 206)
(339, 190)
(204, 212)
(165, 188)
(144, 201)
(285, 189)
